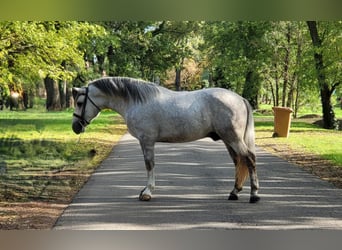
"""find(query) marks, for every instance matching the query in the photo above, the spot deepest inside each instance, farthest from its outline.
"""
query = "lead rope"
(79, 139)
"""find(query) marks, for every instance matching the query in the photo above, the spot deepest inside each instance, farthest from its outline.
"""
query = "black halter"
(83, 121)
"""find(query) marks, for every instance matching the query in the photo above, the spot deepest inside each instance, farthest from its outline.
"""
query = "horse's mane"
(128, 88)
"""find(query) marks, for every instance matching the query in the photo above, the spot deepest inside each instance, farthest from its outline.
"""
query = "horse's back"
(225, 96)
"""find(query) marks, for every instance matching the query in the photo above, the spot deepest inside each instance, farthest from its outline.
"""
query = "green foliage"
(146, 49)
(327, 80)
(32, 50)
(236, 50)
(279, 55)
(331, 35)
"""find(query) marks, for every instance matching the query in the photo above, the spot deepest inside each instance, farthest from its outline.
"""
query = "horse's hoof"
(254, 199)
(145, 197)
(233, 197)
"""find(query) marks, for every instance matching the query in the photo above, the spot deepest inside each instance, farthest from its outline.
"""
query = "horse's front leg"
(148, 151)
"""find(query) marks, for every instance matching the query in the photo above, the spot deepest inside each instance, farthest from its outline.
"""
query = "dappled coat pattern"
(155, 114)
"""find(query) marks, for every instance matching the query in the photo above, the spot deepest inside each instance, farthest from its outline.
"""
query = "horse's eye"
(79, 104)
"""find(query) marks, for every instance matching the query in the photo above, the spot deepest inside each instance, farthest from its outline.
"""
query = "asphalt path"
(193, 181)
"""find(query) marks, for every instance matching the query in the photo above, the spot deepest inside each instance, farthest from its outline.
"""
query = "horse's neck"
(119, 105)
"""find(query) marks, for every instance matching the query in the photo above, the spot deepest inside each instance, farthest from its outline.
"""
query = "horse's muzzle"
(77, 127)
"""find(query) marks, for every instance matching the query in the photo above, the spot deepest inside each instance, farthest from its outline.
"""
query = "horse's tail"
(249, 136)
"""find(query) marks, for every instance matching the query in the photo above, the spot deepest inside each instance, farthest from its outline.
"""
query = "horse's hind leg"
(250, 161)
(244, 166)
(241, 174)
(148, 151)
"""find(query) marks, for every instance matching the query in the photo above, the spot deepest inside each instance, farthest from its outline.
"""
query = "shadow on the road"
(192, 190)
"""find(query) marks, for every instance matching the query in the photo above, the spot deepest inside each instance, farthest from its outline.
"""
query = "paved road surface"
(193, 183)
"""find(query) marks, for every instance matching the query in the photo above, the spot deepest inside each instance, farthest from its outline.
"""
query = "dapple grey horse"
(156, 114)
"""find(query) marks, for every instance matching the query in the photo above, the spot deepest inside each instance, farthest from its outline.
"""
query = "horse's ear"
(75, 92)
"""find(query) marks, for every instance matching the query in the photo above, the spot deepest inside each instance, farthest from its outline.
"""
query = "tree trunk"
(100, 62)
(63, 94)
(69, 98)
(296, 108)
(286, 65)
(296, 76)
(53, 102)
(251, 88)
(291, 92)
(276, 80)
(178, 79)
(328, 112)
(329, 121)
(111, 61)
(272, 92)
(289, 101)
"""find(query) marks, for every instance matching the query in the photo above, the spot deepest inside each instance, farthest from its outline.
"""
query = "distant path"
(193, 183)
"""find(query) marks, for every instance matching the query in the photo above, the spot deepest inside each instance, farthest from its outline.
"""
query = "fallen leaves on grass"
(310, 162)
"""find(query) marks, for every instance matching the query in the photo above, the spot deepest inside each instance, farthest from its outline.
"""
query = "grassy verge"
(43, 161)
(305, 137)
(317, 150)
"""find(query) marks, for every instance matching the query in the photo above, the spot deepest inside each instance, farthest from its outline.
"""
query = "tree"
(282, 68)
(148, 49)
(16, 51)
(31, 51)
(237, 50)
(319, 41)
(124, 46)
(175, 42)
(65, 57)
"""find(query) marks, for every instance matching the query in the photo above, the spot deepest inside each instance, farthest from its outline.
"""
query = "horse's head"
(86, 108)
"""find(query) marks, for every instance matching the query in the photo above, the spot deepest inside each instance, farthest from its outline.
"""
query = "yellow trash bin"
(282, 121)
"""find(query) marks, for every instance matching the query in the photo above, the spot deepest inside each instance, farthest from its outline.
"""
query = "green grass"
(304, 136)
(42, 159)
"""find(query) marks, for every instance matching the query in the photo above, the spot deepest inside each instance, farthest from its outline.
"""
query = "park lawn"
(42, 160)
(304, 137)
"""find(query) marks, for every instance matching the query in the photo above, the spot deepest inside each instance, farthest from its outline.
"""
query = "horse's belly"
(179, 138)
(183, 130)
